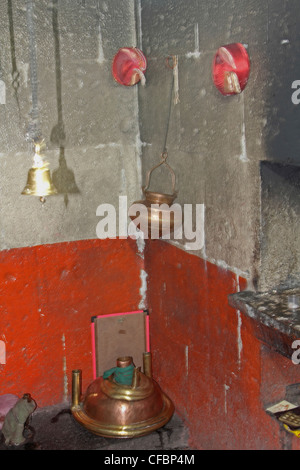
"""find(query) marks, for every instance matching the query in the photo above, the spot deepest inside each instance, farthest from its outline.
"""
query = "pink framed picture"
(119, 334)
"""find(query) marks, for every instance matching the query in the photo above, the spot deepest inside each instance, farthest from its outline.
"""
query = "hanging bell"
(39, 182)
(158, 216)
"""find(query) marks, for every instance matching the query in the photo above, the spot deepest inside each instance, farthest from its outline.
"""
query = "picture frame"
(116, 335)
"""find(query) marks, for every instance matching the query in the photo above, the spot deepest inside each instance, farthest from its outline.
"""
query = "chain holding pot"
(158, 216)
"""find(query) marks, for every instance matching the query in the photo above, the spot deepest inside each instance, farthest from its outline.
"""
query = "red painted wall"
(48, 295)
(220, 380)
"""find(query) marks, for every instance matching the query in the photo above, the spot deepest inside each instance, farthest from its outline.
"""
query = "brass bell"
(39, 182)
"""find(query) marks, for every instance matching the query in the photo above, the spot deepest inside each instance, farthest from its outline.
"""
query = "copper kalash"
(112, 409)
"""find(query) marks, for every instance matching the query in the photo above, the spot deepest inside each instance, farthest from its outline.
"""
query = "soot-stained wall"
(205, 353)
(216, 143)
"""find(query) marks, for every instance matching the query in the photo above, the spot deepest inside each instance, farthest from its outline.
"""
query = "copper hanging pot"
(161, 217)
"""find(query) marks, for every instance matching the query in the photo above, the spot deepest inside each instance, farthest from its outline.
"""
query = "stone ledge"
(275, 323)
(54, 428)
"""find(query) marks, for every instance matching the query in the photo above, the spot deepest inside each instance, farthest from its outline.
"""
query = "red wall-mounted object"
(129, 65)
(231, 68)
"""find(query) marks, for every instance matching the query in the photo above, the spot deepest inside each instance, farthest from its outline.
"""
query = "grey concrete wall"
(280, 250)
(113, 135)
(100, 155)
(215, 143)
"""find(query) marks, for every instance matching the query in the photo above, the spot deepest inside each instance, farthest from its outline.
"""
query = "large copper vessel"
(112, 409)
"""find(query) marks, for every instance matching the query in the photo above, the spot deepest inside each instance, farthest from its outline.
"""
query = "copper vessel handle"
(164, 157)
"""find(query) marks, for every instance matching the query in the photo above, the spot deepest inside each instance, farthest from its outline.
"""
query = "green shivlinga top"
(122, 375)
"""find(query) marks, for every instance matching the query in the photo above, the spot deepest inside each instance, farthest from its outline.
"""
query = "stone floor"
(54, 428)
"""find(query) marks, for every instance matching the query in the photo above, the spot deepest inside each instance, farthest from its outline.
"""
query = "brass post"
(136, 377)
(147, 363)
(76, 386)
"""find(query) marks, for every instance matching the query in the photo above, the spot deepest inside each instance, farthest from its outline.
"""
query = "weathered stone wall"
(99, 157)
(54, 273)
(226, 152)
(215, 143)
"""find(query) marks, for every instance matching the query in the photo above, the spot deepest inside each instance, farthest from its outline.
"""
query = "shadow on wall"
(15, 74)
(280, 184)
(63, 177)
(280, 210)
(282, 136)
